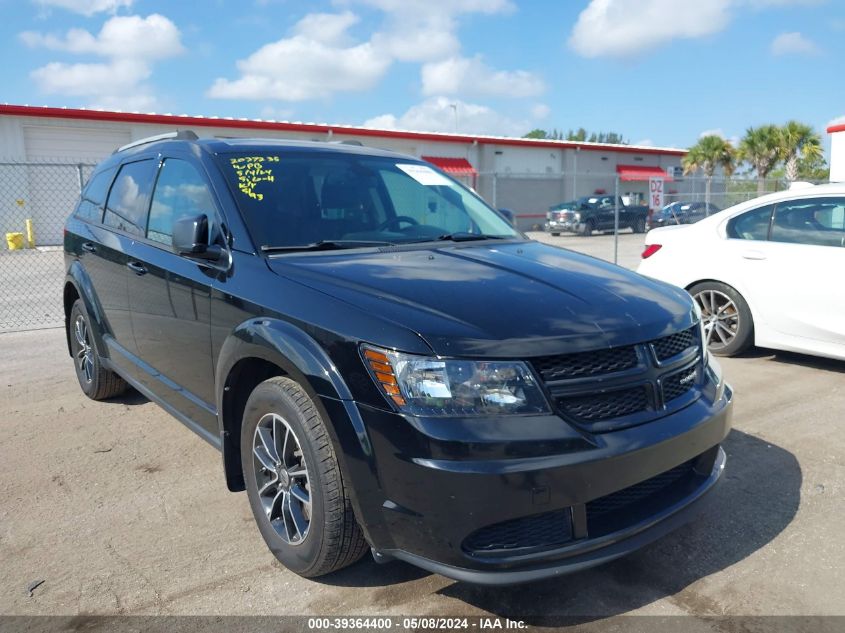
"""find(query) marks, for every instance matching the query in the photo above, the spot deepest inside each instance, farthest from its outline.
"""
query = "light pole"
(454, 107)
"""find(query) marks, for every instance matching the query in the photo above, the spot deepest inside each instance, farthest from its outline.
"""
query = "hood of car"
(487, 299)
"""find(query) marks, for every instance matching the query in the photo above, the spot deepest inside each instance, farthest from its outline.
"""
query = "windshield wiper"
(325, 245)
(468, 237)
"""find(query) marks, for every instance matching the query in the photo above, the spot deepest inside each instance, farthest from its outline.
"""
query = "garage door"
(52, 189)
(78, 144)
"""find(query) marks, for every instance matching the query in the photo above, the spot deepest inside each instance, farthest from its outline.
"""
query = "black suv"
(386, 364)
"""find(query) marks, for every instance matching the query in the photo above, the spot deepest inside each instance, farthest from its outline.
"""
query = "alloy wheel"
(720, 316)
(282, 477)
(85, 351)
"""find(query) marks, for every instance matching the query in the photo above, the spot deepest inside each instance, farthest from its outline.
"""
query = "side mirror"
(190, 238)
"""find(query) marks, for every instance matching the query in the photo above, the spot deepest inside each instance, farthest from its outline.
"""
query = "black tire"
(556, 234)
(587, 228)
(732, 317)
(97, 382)
(638, 226)
(310, 539)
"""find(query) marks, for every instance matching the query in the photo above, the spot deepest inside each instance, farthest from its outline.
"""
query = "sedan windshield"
(325, 200)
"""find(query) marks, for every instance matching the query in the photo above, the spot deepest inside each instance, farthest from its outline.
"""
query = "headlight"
(429, 386)
(577, 217)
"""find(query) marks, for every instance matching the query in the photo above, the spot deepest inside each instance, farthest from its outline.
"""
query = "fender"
(305, 361)
(79, 279)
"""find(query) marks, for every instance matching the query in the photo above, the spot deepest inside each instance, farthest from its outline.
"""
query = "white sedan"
(767, 272)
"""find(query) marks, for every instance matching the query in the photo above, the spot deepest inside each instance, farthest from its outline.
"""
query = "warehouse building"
(524, 175)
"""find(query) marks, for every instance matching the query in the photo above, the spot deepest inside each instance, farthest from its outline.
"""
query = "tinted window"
(180, 191)
(817, 221)
(129, 198)
(94, 196)
(751, 225)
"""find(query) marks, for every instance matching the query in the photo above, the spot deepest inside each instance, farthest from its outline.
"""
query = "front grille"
(605, 406)
(597, 388)
(547, 530)
(621, 508)
(677, 384)
(669, 346)
(581, 364)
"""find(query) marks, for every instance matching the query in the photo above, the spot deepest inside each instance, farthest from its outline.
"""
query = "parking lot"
(120, 509)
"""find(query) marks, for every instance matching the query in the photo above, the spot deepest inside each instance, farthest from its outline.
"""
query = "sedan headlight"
(430, 386)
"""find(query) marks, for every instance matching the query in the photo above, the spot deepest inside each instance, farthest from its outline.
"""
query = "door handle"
(137, 267)
(753, 255)
(89, 246)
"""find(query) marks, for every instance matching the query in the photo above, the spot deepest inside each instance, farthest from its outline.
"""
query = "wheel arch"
(78, 286)
(263, 348)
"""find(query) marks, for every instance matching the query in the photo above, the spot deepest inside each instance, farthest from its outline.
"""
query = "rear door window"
(94, 196)
(129, 198)
(813, 221)
(181, 191)
(751, 225)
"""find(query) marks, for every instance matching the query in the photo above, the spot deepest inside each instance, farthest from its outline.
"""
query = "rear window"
(751, 225)
(94, 195)
(129, 199)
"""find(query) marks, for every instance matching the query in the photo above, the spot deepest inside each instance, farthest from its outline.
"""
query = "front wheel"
(294, 483)
(587, 228)
(728, 325)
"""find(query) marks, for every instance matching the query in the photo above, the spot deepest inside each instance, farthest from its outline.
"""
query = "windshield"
(291, 199)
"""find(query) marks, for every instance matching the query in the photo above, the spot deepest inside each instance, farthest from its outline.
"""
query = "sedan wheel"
(728, 326)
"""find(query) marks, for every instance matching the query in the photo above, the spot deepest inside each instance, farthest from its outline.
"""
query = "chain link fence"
(530, 195)
(35, 199)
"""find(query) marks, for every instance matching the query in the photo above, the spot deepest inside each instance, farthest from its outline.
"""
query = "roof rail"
(181, 135)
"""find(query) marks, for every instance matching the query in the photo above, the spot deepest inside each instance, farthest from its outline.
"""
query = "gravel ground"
(120, 509)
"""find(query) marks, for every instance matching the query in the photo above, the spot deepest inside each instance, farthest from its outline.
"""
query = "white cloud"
(424, 30)
(793, 44)
(620, 28)
(316, 61)
(130, 46)
(86, 7)
(616, 28)
(150, 38)
(714, 132)
(472, 77)
(437, 115)
(837, 121)
(644, 142)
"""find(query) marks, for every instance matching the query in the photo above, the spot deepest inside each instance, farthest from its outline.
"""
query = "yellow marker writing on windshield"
(251, 171)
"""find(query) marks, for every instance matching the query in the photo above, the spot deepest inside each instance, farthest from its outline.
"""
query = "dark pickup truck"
(594, 213)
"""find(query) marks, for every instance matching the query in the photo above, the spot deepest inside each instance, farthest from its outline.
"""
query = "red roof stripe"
(641, 172)
(320, 128)
(457, 166)
(839, 127)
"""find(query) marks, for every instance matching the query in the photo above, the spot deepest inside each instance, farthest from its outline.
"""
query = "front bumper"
(563, 226)
(442, 481)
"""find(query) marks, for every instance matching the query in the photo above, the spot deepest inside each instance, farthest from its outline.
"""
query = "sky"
(660, 72)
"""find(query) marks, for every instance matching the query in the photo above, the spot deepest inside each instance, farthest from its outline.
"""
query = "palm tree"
(762, 148)
(799, 144)
(709, 153)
